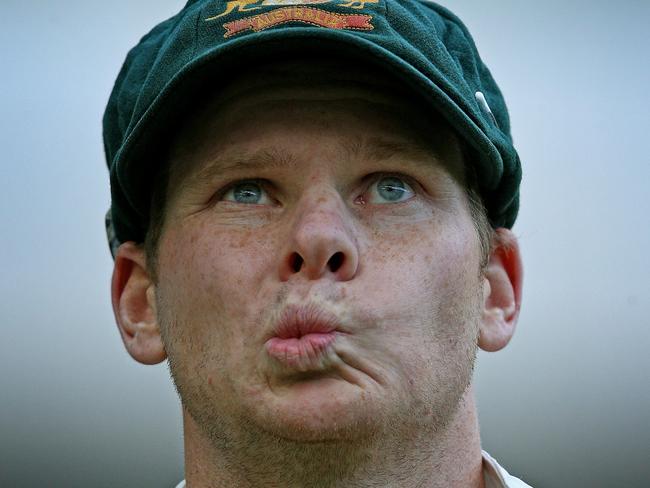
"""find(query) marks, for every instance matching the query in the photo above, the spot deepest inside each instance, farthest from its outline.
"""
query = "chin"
(323, 410)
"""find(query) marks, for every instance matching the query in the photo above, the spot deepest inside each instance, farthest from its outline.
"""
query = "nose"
(321, 241)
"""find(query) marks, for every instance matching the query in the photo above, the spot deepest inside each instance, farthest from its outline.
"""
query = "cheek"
(423, 286)
(412, 260)
(209, 301)
(209, 277)
(209, 257)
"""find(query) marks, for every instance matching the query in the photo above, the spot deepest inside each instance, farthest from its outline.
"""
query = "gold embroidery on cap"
(313, 16)
(248, 5)
(284, 3)
(361, 3)
(240, 5)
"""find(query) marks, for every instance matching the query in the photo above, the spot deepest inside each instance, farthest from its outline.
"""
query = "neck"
(450, 457)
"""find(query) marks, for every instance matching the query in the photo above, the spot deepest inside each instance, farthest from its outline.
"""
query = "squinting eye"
(248, 192)
(389, 189)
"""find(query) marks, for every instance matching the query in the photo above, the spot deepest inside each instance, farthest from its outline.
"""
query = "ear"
(134, 305)
(502, 292)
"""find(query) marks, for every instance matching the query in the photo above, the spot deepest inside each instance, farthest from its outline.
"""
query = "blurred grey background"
(566, 404)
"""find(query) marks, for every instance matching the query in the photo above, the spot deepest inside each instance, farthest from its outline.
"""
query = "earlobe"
(502, 292)
(134, 305)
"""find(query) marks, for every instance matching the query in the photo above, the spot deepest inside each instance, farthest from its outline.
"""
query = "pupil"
(248, 193)
(391, 189)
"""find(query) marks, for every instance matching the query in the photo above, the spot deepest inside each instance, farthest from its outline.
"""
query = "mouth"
(302, 337)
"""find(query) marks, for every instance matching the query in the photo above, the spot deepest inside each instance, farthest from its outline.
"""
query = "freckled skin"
(410, 306)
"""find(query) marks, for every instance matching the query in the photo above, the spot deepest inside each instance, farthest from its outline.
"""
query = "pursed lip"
(302, 338)
(299, 320)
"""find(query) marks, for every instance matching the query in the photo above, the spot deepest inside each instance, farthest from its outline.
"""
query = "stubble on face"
(349, 456)
(207, 322)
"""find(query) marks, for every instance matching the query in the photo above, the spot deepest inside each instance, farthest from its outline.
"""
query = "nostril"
(335, 262)
(296, 262)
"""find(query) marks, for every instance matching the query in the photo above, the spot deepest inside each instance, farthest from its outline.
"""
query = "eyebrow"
(372, 148)
(265, 158)
(382, 149)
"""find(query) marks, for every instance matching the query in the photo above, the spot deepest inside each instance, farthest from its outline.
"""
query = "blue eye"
(390, 189)
(247, 192)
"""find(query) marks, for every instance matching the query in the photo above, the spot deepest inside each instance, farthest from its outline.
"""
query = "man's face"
(300, 207)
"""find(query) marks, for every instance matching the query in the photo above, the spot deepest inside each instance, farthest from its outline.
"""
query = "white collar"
(496, 476)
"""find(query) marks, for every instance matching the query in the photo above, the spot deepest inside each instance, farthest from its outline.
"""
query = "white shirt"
(495, 476)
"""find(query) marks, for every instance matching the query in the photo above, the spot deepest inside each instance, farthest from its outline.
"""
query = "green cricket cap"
(421, 43)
